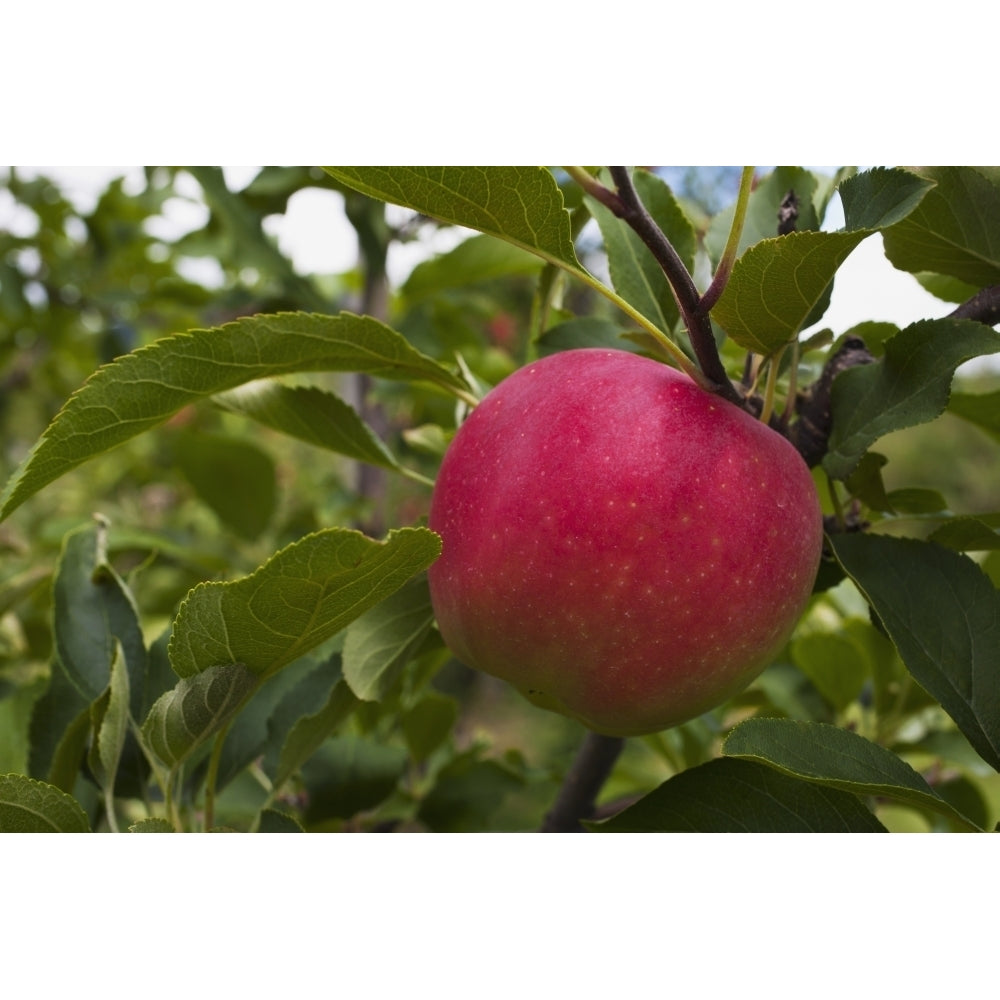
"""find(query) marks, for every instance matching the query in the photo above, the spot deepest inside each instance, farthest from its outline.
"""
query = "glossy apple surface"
(619, 544)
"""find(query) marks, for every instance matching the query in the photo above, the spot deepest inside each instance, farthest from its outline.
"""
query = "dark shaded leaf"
(837, 758)
(943, 615)
(740, 796)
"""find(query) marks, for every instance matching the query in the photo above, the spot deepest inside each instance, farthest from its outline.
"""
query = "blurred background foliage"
(211, 496)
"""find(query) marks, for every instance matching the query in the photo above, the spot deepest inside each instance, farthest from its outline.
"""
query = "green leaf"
(380, 643)
(197, 708)
(309, 414)
(273, 821)
(349, 775)
(427, 724)
(233, 476)
(635, 274)
(837, 668)
(151, 825)
(878, 198)
(522, 205)
(836, 758)
(943, 615)
(909, 385)
(782, 284)
(969, 534)
(30, 806)
(728, 795)
(299, 728)
(110, 723)
(467, 792)
(93, 609)
(981, 409)
(953, 231)
(301, 596)
(778, 284)
(477, 259)
(143, 389)
(582, 331)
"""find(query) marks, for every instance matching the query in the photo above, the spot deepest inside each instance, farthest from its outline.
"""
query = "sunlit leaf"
(522, 205)
(777, 284)
(140, 390)
(309, 414)
(300, 597)
(953, 231)
(30, 806)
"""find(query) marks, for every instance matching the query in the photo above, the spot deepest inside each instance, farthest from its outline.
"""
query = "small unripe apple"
(619, 544)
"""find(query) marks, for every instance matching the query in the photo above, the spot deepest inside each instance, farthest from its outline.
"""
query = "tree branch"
(583, 782)
(699, 326)
(811, 432)
(984, 306)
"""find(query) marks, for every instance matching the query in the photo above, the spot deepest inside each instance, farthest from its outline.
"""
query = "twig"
(984, 306)
(594, 760)
(699, 326)
(811, 432)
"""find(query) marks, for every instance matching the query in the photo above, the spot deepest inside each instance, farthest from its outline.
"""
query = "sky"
(317, 237)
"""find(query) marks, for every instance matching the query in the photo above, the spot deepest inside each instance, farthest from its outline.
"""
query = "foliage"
(213, 605)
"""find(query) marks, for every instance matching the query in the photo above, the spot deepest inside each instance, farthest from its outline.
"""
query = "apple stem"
(584, 780)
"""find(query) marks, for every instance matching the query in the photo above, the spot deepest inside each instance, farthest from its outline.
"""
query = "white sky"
(317, 237)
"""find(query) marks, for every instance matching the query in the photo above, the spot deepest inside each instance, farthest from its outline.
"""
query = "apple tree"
(222, 602)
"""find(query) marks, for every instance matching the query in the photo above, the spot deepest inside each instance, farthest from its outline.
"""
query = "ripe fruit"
(619, 544)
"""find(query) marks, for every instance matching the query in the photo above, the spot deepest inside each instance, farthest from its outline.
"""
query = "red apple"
(619, 544)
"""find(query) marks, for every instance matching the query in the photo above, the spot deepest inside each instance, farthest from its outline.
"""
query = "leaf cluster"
(233, 648)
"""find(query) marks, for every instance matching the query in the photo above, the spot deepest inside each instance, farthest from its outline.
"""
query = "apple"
(619, 544)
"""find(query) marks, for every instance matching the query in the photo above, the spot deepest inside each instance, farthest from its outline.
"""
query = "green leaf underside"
(378, 644)
(30, 806)
(777, 283)
(953, 231)
(943, 615)
(197, 708)
(837, 758)
(143, 389)
(309, 414)
(729, 795)
(522, 205)
(110, 720)
(303, 595)
(909, 385)
(477, 259)
(93, 610)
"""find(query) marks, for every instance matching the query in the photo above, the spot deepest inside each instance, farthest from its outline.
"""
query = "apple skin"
(619, 544)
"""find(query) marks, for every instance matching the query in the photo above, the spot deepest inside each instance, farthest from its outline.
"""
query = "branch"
(699, 326)
(811, 432)
(594, 760)
(984, 306)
